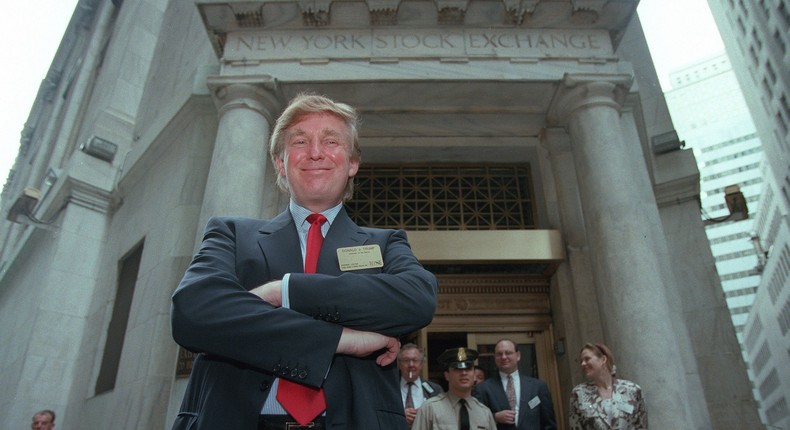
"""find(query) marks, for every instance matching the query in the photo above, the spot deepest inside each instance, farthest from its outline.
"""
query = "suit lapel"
(499, 392)
(279, 245)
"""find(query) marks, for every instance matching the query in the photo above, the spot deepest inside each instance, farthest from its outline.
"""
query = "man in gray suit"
(518, 402)
(272, 323)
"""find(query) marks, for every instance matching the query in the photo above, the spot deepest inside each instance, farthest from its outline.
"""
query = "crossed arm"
(214, 313)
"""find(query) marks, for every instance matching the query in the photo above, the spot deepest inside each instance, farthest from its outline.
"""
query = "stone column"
(577, 300)
(625, 236)
(237, 179)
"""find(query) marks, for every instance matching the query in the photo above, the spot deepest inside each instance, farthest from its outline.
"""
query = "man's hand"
(270, 292)
(411, 413)
(505, 417)
(363, 343)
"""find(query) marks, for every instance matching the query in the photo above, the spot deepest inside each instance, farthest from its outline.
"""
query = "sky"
(678, 32)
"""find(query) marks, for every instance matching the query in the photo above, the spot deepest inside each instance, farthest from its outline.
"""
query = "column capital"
(257, 93)
(583, 90)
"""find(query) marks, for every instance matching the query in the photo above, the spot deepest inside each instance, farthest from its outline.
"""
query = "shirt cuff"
(284, 291)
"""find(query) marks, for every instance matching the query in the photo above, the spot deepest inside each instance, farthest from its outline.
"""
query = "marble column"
(625, 236)
(577, 290)
(237, 179)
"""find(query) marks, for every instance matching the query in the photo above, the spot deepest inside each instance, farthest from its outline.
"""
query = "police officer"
(456, 408)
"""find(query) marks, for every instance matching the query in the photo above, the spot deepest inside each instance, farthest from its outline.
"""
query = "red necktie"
(302, 402)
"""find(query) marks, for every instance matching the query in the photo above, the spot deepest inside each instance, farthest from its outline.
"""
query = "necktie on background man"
(463, 416)
(302, 402)
(409, 400)
(511, 392)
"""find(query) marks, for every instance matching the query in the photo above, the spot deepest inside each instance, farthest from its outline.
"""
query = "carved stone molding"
(451, 15)
(488, 285)
(493, 304)
(383, 12)
(451, 11)
(315, 13)
(578, 90)
(587, 11)
(492, 295)
(517, 10)
(253, 92)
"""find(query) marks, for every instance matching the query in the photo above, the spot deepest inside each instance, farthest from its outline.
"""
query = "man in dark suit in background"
(517, 401)
(414, 390)
(305, 308)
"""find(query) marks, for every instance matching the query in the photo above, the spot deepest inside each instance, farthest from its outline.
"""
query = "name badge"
(359, 257)
(626, 407)
(534, 402)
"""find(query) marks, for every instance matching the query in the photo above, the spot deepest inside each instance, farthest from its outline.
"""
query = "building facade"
(728, 152)
(522, 145)
(766, 332)
(755, 35)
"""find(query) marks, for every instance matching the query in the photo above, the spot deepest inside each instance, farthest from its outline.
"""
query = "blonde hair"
(305, 104)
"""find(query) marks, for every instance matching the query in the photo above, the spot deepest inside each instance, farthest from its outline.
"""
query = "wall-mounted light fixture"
(559, 346)
(736, 204)
(24, 204)
(100, 148)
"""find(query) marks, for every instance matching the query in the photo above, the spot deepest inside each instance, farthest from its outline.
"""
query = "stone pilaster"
(237, 179)
(626, 239)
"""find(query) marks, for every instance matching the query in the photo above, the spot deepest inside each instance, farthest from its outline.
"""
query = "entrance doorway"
(476, 311)
(535, 347)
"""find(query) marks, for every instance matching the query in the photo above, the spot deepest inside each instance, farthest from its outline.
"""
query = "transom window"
(444, 197)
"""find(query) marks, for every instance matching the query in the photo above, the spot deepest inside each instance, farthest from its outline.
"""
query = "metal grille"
(447, 197)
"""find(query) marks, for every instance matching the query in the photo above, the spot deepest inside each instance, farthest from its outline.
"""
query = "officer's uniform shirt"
(441, 413)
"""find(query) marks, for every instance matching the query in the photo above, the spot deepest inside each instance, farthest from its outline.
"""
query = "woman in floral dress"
(605, 402)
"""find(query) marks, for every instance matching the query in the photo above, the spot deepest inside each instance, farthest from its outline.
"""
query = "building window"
(757, 41)
(770, 384)
(445, 197)
(784, 13)
(764, 7)
(777, 412)
(754, 333)
(780, 42)
(761, 359)
(744, 9)
(770, 70)
(784, 317)
(128, 267)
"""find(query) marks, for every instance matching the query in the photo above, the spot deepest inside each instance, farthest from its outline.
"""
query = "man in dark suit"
(517, 401)
(268, 329)
(414, 390)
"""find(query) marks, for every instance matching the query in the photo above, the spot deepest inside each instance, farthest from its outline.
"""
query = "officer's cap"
(459, 358)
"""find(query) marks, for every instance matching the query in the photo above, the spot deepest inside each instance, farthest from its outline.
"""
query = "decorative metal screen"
(446, 197)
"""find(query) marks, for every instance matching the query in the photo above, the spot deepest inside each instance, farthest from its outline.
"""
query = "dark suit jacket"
(492, 394)
(245, 342)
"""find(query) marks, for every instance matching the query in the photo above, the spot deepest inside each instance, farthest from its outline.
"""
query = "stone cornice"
(223, 17)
